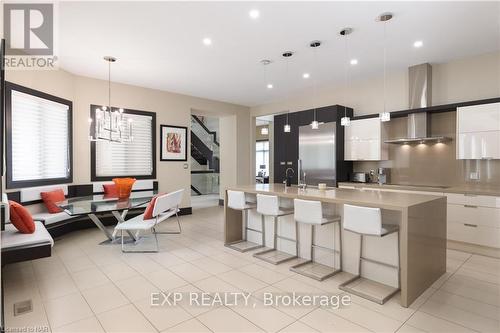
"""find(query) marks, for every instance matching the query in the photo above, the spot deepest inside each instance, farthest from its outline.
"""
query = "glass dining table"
(98, 205)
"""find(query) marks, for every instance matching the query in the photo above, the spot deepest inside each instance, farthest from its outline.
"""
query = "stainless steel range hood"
(420, 96)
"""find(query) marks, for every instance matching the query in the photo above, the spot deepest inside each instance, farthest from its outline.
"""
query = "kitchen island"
(421, 220)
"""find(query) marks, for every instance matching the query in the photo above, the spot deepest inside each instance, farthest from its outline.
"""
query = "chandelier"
(110, 122)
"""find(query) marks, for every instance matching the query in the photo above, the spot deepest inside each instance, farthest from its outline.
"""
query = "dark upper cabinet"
(286, 145)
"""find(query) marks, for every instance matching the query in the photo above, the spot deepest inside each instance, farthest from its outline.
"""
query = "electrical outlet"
(474, 175)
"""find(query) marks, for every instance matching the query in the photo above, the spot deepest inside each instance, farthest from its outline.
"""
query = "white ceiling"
(159, 44)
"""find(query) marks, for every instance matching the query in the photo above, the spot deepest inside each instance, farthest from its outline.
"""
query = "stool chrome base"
(274, 257)
(315, 270)
(378, 293)
(243, 246)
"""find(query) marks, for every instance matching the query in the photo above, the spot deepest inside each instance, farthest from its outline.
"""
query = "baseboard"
(221, 202)
(473, 248)
(186, 211)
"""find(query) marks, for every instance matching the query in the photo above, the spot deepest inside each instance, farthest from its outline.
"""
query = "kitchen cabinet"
(479, 145)
(474, 219)
(478, 131)
(286, 145)
(364, 140)
(478, 118)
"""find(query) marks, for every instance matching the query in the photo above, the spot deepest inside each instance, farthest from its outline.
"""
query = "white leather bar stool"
(268, 205)
(311, 212)
(367, 221)
(237, 200)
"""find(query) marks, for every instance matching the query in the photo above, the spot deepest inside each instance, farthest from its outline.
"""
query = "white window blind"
(133, 158)
(40, 138)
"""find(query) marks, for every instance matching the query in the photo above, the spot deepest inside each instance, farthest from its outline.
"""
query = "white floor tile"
(429, 323)
(67, 309)
(225, 320)
(136, 288)
(104, 298)
(162, 317)
(86, 325)
(125, 319)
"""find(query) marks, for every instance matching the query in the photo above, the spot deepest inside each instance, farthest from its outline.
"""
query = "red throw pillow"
(50, 198)
(21, 218)
(110, 190)
(148, 213)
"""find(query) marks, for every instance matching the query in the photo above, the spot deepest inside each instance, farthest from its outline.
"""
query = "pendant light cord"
(347, 77)
(385, 65)
(315, 82)
(288, 89)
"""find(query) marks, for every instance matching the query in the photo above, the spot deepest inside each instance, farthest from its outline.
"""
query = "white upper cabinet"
(478, 118)
(364, 140)
(478, 131)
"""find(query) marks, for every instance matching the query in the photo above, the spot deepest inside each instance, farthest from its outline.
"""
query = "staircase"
(205, 151)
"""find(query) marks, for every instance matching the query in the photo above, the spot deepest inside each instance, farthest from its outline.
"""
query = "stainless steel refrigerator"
(317, 154)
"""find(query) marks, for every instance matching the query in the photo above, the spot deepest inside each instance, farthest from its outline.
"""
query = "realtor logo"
(29, 29)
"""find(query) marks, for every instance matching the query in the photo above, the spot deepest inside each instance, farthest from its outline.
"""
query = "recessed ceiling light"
(269, 86)
(254, 14)
(418, 43)
(207, 41)
(306, 75)
(354, 61)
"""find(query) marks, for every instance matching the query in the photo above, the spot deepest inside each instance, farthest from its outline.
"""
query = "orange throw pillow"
(110, 190)
(21, 218)
(50, 198)
(148, 213)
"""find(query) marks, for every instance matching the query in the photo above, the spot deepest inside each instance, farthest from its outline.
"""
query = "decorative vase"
(124, 186)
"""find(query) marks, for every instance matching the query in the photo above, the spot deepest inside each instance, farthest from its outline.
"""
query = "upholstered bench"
(31, 199)
(17, 246)
(20, 247)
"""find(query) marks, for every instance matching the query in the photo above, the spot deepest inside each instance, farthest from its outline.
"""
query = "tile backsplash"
(432, 163)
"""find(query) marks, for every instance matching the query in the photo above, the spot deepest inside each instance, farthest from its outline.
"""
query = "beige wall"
(170, 108)
(460, 80)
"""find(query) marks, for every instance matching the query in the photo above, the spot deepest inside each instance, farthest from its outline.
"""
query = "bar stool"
(310, 212)
(236, 200)
(367, 221)
(268, 205)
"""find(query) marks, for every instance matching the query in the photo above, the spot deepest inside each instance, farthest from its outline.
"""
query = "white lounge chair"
(165, 206)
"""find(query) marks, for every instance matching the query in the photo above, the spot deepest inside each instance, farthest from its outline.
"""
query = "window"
(262, 157)
(38, 138)
(136, 158)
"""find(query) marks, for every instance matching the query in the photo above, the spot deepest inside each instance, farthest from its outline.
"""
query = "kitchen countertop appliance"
(360, 177)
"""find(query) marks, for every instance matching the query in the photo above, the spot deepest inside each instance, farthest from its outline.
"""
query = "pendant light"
(345, 120)
(314, 45)
(385, 116)
(110, 124)
(265, 63)
(287, 55)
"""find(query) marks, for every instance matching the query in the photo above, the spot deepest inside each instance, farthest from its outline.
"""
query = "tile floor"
(87, 287)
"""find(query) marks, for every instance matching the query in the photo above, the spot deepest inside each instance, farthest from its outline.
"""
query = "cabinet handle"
(282, 163)
(470, 206)
(470, 225)
(289, 163)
